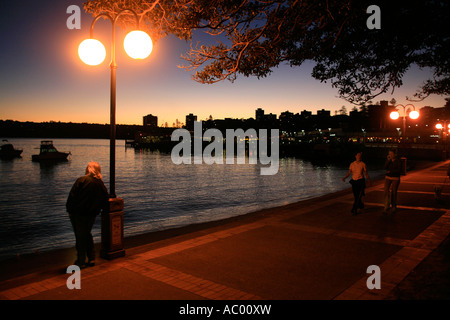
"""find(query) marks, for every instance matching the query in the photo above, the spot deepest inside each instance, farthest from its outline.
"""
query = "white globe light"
(439, 126)
(414, 114)
(92, 52)
(138, 44)
(394, 115)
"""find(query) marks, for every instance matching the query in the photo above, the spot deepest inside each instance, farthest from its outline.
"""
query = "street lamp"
(445, 130)
(138, 45)
(412, 114)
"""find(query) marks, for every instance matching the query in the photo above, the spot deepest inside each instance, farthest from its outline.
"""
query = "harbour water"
(158, 194)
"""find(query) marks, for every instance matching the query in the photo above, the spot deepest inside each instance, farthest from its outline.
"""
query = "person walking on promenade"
(393, 169)
(357, 169)
(87, 198)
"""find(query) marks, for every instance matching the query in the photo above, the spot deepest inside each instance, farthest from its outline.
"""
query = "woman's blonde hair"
(93, 169)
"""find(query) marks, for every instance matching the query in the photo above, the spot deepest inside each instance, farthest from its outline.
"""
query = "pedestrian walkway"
(313, 249)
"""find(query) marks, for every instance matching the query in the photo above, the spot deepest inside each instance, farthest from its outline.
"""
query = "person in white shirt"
(357, 170)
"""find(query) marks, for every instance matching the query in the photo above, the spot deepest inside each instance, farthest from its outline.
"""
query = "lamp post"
(413, 115)
(445, 129)
(138, 45)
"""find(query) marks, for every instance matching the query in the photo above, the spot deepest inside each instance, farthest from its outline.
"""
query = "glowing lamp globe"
(92, 52)
(439, 126)
(138, 44)
(414, 114)
(394, 115)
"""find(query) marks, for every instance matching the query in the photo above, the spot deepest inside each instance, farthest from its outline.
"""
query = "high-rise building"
(287, 121)
(190, 119)
(259, 115)
(150, 121)
(323, 113)
(306, 114)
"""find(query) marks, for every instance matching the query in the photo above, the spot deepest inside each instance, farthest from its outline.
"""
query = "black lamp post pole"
(112, 221)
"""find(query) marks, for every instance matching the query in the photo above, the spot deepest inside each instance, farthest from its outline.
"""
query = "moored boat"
(7, 150)
(49, 153)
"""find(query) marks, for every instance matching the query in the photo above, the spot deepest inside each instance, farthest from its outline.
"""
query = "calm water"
(158, 194)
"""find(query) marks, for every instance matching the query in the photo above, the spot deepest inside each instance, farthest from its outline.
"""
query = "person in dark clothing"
(87, 198)
(393, 169)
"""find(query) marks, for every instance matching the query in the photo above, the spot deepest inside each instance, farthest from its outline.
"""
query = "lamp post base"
(111, 255)
(112, 230)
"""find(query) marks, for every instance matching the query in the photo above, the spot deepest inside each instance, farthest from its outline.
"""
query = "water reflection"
(158, 194)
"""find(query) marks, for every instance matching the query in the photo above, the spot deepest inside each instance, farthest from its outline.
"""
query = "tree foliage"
(254, 37)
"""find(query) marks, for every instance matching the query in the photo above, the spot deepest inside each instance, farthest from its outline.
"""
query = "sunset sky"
(42, 78)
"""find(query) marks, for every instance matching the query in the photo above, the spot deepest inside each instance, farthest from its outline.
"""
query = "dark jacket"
(88, 196)
(393, 168)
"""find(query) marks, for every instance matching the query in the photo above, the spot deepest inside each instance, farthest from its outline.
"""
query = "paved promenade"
(313, 249)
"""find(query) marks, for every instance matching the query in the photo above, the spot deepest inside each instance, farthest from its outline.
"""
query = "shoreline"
(48, 262)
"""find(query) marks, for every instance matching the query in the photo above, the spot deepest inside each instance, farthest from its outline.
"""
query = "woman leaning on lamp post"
(87, 198)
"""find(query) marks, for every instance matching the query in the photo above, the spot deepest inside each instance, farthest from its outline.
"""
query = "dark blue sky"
(42, 78)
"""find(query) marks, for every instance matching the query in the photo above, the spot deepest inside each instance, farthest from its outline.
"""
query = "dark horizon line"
(67, 122)
(141, 125)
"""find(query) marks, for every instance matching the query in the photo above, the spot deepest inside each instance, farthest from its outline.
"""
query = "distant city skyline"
(42, 78)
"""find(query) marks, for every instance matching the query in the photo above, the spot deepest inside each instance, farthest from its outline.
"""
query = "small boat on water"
(7, 150)
(49, 153)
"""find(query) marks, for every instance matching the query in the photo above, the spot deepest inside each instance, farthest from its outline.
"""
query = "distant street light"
(394, 115)
(412, 114)
(441, 127)
(138, 45)
(445, 130)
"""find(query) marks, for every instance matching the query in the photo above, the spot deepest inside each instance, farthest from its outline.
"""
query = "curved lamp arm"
(114, 20)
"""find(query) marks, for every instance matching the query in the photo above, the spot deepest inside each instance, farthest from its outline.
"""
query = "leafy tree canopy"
(253, 37)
